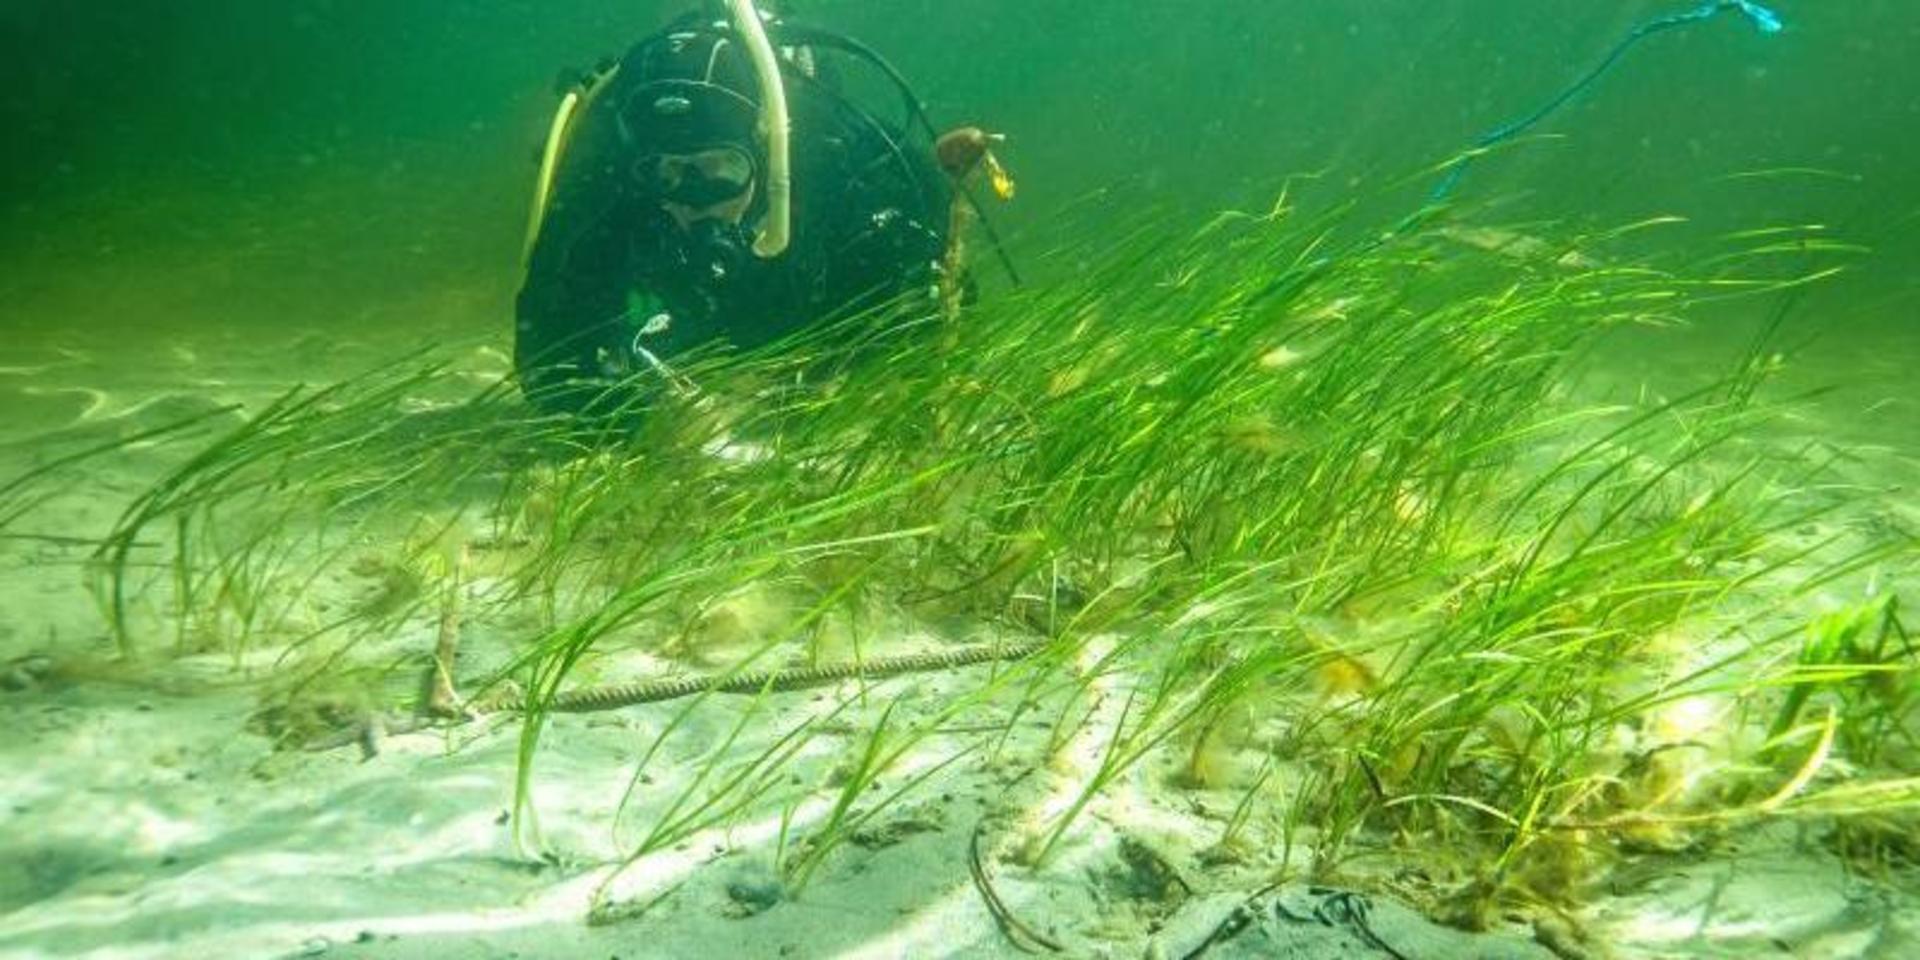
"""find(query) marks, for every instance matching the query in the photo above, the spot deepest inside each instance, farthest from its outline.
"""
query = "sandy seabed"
(144, 816)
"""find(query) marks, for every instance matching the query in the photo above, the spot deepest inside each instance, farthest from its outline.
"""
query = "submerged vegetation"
(1314, 524)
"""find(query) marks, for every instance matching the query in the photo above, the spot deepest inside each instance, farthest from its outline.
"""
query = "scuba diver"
(720, 183)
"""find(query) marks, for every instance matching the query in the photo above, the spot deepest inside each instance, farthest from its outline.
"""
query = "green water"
(323, 151)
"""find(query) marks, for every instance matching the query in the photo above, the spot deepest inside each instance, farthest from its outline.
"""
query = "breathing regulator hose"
(776, 231)
(549, 166)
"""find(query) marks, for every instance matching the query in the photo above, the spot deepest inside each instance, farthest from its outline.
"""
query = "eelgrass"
(30, 489)
(1322, 502)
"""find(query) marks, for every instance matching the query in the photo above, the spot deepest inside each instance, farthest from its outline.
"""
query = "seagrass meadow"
(1450, 548)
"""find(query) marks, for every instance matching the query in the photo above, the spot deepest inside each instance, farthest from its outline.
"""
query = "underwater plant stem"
(1017, 933)
(442, 698)
(953, 264)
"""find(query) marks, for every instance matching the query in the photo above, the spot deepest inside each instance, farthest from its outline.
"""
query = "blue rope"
(1763, 18)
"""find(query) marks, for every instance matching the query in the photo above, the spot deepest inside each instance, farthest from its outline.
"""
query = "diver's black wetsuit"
(621, 277)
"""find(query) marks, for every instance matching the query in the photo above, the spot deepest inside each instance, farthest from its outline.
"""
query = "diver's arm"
(567, 313)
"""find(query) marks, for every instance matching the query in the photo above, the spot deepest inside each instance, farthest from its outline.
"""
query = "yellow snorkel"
(776, 231)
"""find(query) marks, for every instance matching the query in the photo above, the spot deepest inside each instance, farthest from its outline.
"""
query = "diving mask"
(713, 183)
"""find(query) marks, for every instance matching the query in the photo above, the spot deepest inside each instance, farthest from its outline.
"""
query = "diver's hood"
(683, 118)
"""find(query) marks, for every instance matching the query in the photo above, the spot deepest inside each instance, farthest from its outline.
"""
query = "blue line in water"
(1764, 18)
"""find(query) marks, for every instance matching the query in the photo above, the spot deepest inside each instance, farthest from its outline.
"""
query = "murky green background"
(251, 172)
